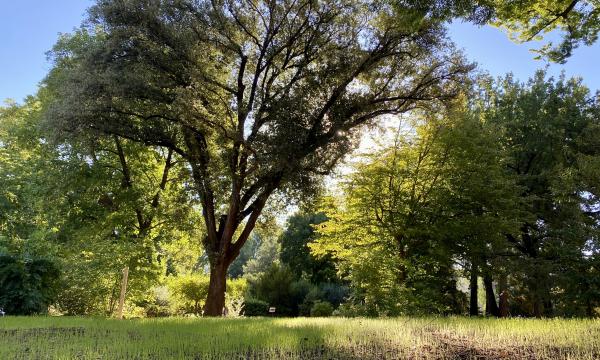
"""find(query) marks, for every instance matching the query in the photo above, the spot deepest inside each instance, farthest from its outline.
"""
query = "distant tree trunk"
(474, 288)
(491, 307)
(503, 289)
(542, 306)
(589, 309)
(548, 307)
(537, 307)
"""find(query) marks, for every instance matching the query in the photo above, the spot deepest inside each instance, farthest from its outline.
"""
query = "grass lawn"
(302, 338)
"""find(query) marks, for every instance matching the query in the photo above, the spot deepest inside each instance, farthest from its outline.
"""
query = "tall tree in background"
(504, 185)
(295, 251)
(411, 211)
(256, 97)
(549, 129)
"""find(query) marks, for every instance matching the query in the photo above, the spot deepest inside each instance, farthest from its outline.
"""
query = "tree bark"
(503, 303)
(548, 307)
(537, 307)
(215, 301)
(474, 288)
(589, 309)
(491, 307)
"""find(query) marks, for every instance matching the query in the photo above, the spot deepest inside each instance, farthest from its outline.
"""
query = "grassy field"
(334, 338)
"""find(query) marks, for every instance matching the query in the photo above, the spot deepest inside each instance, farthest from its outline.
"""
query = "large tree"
(93, 206)
(256, 96)
(549, 129)
(439, 196)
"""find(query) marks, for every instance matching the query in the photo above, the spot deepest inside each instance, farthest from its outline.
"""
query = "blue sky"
(494, 52)
(29, 28)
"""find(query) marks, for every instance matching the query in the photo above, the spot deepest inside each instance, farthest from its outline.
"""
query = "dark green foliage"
(550, 130)
(275, 288)
(321, 309)
(295, 252)
(27, 286)
(278, 287)
(236, 269)
(334, 293)
(255, 307)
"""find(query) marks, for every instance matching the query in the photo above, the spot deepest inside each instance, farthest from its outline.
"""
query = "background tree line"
(500, 188)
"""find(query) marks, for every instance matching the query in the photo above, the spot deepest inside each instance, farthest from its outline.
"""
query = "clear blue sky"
(494, 52)
(29, 28)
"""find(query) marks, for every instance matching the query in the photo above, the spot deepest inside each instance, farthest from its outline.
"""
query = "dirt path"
(450, 346)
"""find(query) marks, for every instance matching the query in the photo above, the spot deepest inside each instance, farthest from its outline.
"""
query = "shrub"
(255, 307)
(321, 309)
(275, 288)
(313, 296)
(334, 293)
(190, 293)
(234, 296)
(27, 286)
(301, 290)
(159, 304)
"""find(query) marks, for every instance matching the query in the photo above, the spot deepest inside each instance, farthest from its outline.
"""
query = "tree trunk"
(589, 309)
(503, 303)
(542, 304)
(491, 307)
(474, 288)
(548, 307)
(537, 307)
(215, 301)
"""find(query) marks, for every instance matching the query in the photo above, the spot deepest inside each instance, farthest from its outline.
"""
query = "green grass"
(302, 338)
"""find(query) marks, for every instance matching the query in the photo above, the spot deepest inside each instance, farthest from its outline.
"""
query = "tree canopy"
(254, 97)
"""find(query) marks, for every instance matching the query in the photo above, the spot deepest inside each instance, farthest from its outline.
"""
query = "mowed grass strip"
(300, 338)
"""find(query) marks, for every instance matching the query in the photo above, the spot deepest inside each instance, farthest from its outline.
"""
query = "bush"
(313, 296)
(275, 288)
(334, 293)
(159, 304)
(189, 293)
(255, 307)
(234, 296)
(321, 309)
(27, 286)
(301, 290)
